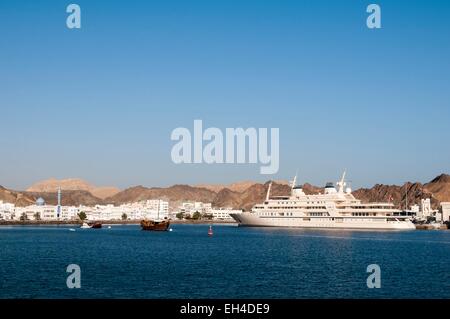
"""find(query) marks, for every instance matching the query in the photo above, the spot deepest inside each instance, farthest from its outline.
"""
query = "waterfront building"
(224, 213)
(189, 208)
(156, 209)
(6, 211)
(415, 210)
(157, 204)
(134, 211)
(445, 211)
(150, 209)
(68, 212)
(36, 212)
(104, 212)
(425, 205)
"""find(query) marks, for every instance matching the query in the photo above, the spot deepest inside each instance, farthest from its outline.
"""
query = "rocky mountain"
(309, 189)
(438, 190)
(234, 187)
(239, 196)
(179, 193)
(17, 198)
(227, 198)
(72, 184)
(238, 187)
(241, 200)
(409, 193)
(174, 194)
(69, 198)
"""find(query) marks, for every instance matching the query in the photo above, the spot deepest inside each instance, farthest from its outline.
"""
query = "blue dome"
(40, 201)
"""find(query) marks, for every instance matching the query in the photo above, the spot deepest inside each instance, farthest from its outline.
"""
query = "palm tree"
(196, 215)
(82, 216)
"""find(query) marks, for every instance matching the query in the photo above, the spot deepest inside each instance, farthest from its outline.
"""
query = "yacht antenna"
(341, 183)
(294, 182)
(406, 199)
(268, 191)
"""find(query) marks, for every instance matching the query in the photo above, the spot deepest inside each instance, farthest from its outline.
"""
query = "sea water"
(236, 262)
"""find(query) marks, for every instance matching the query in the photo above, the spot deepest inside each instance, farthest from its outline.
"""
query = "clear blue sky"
(100, 103)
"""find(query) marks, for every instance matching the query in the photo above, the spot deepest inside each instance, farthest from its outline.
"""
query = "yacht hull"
(253, 220)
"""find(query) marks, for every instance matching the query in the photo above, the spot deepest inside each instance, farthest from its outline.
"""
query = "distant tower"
(58, 209)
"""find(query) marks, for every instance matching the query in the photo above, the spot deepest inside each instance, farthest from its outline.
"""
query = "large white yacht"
(336, 208)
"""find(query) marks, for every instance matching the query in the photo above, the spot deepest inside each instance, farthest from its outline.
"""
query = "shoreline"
(106, 222)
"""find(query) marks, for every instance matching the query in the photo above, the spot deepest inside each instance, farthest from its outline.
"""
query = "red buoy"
(210, 231)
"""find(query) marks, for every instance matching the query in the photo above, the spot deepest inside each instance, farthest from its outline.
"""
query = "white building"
(425, 210)
(104, 212)
(415, 209)
(69, 212)
(36, 212)
(6, 211)
(445, 210)
(224, 213)
(157, 204)
(151, 209)
(425, 204)
(154, 209)
(189, 208)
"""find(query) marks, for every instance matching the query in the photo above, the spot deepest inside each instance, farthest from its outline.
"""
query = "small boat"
(157, 225)
(85, 226)
(71, 229)
(210, 231)
(95, 225)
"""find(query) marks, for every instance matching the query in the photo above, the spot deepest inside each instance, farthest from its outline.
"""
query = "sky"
(100, 102)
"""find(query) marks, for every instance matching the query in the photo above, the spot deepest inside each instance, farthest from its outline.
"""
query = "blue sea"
(236, 262)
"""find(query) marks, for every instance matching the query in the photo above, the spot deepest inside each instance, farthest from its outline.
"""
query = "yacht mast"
(406, 199)
(341, 183)
(268, 191)
(294, 182)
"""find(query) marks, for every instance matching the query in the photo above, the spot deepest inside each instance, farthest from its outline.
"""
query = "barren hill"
(17, 198)
(241, 195)
(174, 194)
(72, 184)
(234, 187)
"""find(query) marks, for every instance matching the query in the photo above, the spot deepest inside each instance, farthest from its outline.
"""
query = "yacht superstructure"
(335, 208)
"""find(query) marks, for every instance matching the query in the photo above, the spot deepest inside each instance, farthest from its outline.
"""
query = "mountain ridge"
(242, 197)
(51, 185)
